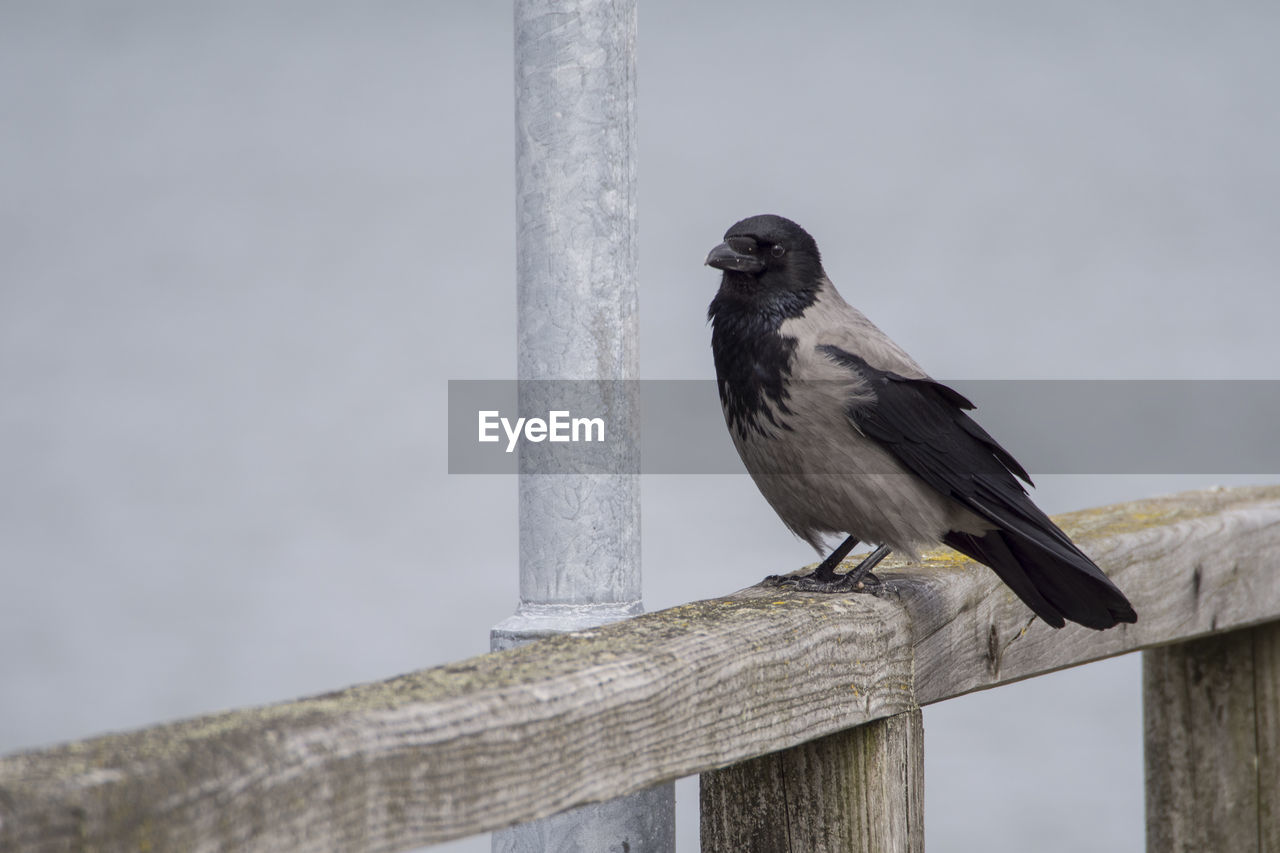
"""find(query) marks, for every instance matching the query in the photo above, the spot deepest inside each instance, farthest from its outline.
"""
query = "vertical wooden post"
(1211, 710)
(859, 790)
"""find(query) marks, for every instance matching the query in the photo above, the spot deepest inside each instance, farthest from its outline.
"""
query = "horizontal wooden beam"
(506, 737)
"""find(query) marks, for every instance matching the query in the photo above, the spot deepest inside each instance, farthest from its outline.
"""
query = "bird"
(846, 435)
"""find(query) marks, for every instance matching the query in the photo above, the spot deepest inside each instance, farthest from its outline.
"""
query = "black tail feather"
(991, 550)
(1056, 582)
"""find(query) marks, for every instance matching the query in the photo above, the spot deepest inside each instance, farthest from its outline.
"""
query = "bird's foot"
(837, 583)
(825, 579)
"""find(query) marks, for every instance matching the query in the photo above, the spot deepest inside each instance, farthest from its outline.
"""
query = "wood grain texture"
(585, 717)
(856, 791)
(1209, 709)
(1266, 692)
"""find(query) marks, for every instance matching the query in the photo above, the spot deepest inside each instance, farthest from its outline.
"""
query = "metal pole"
(576, 253)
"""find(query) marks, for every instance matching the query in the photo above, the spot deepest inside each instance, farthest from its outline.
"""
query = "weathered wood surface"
(515, 735)
(856, 791)
(1266, 674)
(1210, 709)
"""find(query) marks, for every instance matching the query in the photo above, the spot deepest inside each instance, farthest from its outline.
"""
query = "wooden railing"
(750, 690)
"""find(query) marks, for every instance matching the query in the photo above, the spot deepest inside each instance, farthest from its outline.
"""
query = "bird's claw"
(841, 583)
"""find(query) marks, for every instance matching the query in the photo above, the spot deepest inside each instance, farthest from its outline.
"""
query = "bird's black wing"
(924, 425)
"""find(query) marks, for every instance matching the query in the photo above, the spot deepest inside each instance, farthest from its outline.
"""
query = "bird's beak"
(724, 258)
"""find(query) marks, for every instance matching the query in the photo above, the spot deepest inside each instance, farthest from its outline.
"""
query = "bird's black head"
(772, 273)
(768, 252)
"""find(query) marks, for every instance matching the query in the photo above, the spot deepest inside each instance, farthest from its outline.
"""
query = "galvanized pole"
(576, 253)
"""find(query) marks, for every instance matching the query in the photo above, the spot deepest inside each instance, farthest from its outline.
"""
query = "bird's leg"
(862, 572)
(859, 578)
(826, 571)
(825, 578)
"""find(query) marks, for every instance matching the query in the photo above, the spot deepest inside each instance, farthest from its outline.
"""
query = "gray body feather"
(821, 475)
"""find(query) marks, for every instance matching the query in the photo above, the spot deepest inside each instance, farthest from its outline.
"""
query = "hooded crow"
(845, 434)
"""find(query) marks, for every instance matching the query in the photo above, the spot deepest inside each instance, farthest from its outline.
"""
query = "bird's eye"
(778, 250)
(742, 245)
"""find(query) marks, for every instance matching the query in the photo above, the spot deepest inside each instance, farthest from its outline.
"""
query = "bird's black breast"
(752, 358)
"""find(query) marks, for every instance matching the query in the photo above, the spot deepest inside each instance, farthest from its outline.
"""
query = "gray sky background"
(244, 246)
